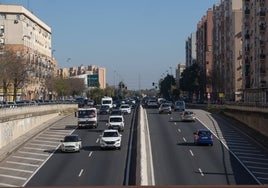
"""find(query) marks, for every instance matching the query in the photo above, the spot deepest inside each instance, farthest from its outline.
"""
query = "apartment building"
(227, 50)
(190, 50)
(204, 49)
(27, 34)
(255, 62)
(93, 75)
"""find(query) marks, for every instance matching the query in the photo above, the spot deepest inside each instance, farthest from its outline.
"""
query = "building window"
(3, 16)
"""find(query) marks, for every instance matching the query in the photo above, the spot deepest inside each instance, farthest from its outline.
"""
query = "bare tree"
(13, 71)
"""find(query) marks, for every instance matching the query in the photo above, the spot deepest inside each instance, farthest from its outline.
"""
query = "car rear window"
(204, 133)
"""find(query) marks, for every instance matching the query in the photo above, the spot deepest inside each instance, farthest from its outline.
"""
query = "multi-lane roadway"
(234, 158)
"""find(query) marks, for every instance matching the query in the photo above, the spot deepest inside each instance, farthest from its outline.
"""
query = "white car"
(116, 122)
(71, 143)
(110, 138)
(125, 108)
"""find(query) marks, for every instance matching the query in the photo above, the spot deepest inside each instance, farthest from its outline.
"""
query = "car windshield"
(71, 139)
(116, 119)
(110, 134)
(86, 113)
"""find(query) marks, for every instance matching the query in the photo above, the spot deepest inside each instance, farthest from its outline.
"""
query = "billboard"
(93, 80)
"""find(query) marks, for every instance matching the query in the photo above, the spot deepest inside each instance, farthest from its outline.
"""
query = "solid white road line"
(28, 158)
(13, 177)
(7, 185)
(32, 148)
(45, 145)
(25, 164)
(31, 153)
(17, 170)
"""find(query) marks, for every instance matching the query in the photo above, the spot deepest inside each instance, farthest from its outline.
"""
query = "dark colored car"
(104, 109)
(203, 136)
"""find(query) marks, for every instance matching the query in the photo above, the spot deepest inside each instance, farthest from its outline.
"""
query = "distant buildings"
(231, 49)
(93, 75)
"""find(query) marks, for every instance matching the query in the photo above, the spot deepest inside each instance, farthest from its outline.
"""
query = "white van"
(107, 101)
(179, 106)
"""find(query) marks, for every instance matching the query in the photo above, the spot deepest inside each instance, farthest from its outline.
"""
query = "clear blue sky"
(135, 40)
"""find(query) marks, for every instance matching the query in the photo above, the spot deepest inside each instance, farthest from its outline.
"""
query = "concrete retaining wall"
(255, 120)
(17, 122)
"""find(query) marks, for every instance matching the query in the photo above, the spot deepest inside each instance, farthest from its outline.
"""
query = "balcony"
(262, 70)
(262, 56)
(262, 26)
(247, 11)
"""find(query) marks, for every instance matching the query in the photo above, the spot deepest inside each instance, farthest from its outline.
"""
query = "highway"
(234, 159)
(91, 166)
(177, 161)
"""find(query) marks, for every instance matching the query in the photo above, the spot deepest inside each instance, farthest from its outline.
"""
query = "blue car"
(203, 136)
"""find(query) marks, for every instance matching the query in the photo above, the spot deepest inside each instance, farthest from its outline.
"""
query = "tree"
(13, 70)
(166, 87)
(191, 79)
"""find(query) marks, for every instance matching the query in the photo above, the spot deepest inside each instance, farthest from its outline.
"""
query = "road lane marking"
(252, 154)
(46, 145)
(32, 153)
(255, 167)
(45, 141)
(13, 177)
(255, 162)
(79, 175)
(7, 185)
(28, 158)
(97, 140)
(89, 155)
(201, 173)
(25, 164)
(31, 148)
(184, 139)
(179, 130)
(46, 138)
(17, 170)
(253, 158)
(175, 123)
(191, 152)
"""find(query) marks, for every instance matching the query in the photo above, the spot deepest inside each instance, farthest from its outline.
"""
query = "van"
(87, 117)
(107, 101)
(179, 106)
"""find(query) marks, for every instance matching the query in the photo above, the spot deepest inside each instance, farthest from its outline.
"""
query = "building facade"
(227, 48)
(190, 50)
(94, 76)
(255, 47)
(27, 34)
(204, 54)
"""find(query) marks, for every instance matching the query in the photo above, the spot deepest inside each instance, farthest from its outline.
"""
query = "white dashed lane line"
(201, 173)
(191, 152)
(81, 172)
(90, 154)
